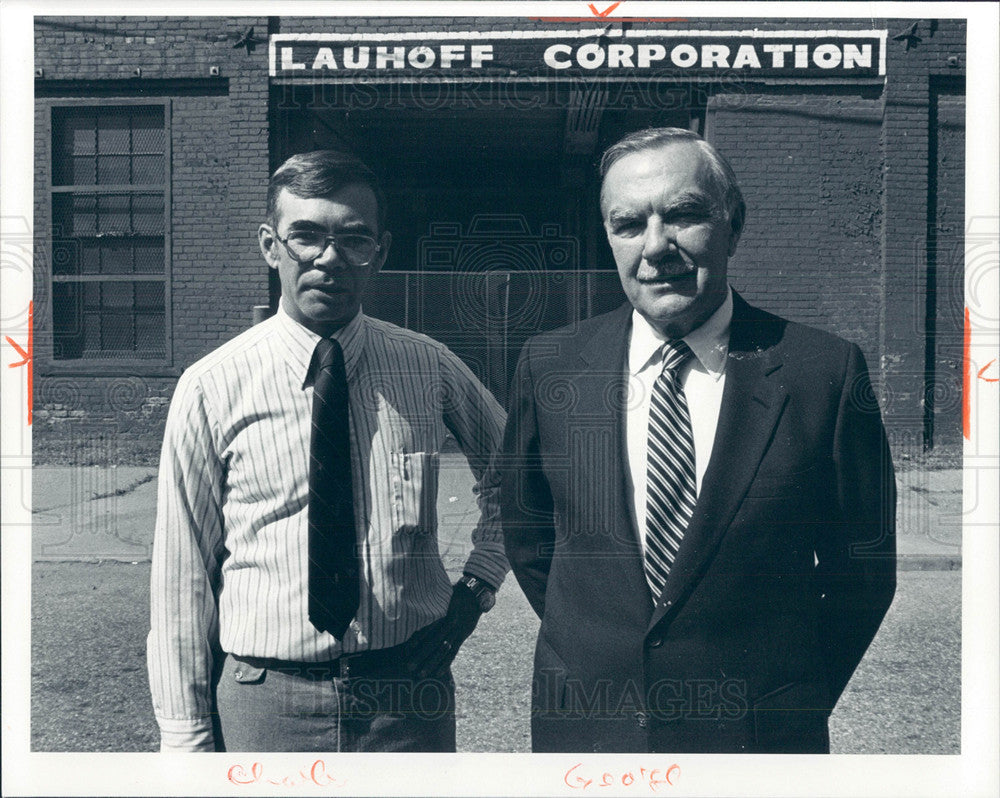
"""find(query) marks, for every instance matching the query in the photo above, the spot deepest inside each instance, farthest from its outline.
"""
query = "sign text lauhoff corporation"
(556, 53)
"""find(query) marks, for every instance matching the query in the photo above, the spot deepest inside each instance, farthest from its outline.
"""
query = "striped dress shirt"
(230, 552)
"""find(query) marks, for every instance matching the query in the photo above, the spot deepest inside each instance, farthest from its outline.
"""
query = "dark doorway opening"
(493, 200)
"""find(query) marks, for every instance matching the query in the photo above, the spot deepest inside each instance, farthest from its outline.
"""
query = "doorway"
(492, 201)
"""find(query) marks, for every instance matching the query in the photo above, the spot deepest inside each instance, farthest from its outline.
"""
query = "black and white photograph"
(615, 383)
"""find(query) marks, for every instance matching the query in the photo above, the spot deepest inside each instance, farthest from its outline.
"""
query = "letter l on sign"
(287, 61)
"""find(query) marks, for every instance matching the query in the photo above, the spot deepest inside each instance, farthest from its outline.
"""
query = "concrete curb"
(930, 563)
(102, 514)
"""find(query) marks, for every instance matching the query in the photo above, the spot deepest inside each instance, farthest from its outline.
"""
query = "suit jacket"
(784, 573)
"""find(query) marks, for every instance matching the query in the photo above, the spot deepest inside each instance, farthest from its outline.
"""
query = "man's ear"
(736, 227)
(268, 245)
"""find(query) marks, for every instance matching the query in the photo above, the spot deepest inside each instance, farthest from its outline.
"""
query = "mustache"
(668, 267)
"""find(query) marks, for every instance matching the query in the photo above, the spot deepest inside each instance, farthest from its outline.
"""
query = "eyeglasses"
(307, 245)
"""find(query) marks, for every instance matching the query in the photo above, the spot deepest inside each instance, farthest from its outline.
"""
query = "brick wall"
(906, 142)
(111, 48)
(218, 181)
(838, 182)
(840, 208)
(810, 170)
(946, 263)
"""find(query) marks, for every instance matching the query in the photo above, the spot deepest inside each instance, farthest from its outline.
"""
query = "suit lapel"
(752, 402)
(604, 357)
(608, 346)
(604, 385)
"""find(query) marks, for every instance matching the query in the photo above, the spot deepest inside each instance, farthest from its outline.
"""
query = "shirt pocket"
(414, 478)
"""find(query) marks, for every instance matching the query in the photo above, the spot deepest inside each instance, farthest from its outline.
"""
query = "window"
(109, 232)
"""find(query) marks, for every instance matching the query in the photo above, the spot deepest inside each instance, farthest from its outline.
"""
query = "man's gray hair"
(723, 177)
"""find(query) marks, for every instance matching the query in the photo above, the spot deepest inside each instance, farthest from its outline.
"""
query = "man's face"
(325, 293)
(669, 235)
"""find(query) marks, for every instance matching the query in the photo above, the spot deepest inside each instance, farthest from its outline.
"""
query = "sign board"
(582, 53)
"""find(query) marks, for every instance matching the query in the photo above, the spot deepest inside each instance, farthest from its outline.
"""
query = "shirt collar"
(301, 342)
(709, 342)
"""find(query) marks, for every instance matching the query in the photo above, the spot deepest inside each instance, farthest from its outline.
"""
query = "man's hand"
(434, 647)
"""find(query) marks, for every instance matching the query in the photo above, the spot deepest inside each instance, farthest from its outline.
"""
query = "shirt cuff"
(489, 565)
(185, 735)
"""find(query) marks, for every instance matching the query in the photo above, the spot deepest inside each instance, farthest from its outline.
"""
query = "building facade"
(155, 136)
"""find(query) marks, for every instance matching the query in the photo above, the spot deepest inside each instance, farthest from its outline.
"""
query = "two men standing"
(707, 535)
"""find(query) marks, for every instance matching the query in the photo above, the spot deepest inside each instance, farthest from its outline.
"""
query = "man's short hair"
(321, 174)
(723, 176)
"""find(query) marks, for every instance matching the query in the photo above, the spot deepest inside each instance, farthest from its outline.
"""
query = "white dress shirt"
(231, 545)
(703, 378)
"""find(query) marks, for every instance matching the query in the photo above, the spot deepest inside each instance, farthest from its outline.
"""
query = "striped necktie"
(670, 489)
(334, 587)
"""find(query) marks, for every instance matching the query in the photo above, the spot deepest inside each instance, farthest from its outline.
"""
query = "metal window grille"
(109, 232)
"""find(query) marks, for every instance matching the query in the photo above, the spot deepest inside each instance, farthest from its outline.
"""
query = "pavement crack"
(125, 490)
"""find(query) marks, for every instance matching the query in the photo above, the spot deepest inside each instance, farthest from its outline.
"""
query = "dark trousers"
(365, 703)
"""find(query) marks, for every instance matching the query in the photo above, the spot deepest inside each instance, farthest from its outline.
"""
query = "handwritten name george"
(654, 778)
(314, 774)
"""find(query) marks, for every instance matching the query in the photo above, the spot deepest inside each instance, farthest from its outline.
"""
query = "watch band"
(484, 592)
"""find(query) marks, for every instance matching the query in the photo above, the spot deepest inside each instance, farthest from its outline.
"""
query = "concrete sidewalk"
(106, 513)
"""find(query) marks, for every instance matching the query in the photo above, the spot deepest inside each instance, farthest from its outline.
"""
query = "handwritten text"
(651, 778)
(314, 774)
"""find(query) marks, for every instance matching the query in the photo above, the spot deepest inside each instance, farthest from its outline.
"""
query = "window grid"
(110, 294)
(114, 151)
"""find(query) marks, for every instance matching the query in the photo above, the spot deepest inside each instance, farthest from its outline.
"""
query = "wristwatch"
(484, 592)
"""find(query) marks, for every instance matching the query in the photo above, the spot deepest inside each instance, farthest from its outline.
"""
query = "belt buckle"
(345, 665)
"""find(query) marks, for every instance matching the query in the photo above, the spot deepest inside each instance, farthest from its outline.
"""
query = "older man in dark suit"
(698, 496)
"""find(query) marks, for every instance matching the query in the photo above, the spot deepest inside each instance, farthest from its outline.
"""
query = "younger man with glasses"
(299, 602)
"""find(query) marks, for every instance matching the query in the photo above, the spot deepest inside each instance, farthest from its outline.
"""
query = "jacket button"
(656, 642)
(642, 719)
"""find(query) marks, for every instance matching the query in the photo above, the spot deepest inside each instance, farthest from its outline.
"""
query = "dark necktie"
(333, 561)
(670, 487)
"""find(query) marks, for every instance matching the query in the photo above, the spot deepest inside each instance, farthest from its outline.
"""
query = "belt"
(380, 661)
